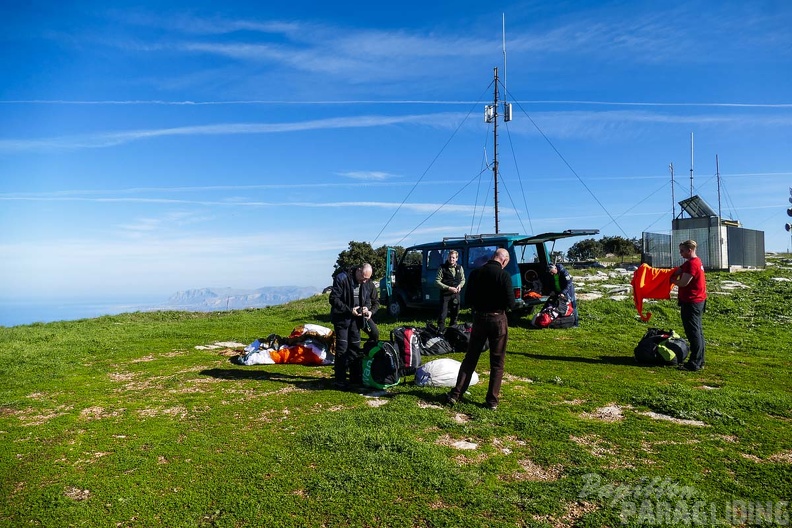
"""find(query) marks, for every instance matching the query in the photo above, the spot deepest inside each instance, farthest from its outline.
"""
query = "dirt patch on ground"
(508, 444)
(77, 493)
(510, 377)
(609, 413)
(176, 412)
(593, 444)
(461, 418)
(681, 421)
(31, 417)
(573, 511)
(535, 473)
(97, 413)
(222, 345)
(784, 457)
(447, 441)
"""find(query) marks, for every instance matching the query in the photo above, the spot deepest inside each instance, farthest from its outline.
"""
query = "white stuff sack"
(440, 373)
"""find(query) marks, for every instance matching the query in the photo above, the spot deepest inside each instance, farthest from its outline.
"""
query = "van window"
(527, 254)
(480, 255)
(412, 258)
(434, 259)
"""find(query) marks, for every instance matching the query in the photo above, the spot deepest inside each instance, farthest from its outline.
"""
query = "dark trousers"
(691, 321)
(347, 352)
(494, 328)
(448, 307)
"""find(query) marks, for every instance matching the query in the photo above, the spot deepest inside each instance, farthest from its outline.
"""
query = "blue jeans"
(691, 321)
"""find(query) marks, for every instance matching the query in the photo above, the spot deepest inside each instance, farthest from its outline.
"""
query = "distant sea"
(14, 312)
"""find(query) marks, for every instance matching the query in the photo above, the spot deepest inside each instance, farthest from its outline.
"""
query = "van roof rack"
(480, 236)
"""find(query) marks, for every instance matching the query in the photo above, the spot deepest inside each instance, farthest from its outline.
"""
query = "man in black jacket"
(490, 294)
(558, 283)
(353, 300)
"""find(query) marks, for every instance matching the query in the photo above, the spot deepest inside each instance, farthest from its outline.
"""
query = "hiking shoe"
(689, 367)
(450, 400)
(491, 406)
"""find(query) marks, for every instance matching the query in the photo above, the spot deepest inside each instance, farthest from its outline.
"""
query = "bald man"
(490, 294)
(353, 300)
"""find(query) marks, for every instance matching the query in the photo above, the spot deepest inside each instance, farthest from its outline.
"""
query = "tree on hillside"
(585, 250)
(621, 247)
(359, 252)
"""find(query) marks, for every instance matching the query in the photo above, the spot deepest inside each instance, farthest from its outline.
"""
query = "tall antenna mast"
(491, 116)
(691, 164)
(495, 148)
(503, 32)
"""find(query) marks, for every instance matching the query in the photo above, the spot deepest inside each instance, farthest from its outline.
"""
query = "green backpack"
(381, 365)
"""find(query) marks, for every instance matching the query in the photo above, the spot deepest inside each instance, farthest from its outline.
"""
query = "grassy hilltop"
(122, 421)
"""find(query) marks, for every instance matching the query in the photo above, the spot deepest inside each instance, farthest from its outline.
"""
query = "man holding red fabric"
(689, 278)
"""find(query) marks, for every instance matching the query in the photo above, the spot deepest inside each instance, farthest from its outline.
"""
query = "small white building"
(723, 244)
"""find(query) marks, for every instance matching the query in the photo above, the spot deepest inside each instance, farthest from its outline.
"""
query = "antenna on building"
(673, 200)
(691, 164)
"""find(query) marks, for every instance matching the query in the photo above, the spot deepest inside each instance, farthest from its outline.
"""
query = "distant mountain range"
(218, 299)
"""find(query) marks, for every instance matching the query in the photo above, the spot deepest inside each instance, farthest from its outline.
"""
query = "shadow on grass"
(607, 360)
(303, 382)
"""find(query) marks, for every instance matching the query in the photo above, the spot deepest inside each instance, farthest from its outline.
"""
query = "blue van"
(410, 280)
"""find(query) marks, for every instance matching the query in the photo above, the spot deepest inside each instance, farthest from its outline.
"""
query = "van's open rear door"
(553, 236)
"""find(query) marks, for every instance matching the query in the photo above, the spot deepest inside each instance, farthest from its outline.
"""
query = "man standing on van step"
(450, 279)
(490, 294)
(353, 300)
(692, 299)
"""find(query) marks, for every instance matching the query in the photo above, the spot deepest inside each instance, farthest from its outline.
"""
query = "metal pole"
(691, 164)
(495, 148)
(720, 237)
(673, 200)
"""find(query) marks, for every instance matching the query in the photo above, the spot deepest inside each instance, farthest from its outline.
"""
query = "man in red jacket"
(690, 280)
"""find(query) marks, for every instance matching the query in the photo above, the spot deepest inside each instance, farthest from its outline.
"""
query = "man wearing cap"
(558, 282)
(489, 294)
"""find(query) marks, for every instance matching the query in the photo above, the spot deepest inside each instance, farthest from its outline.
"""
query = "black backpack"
(433, 343)
(459, 337)
(661, 347)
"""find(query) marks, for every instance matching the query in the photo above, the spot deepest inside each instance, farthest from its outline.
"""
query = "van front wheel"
(395, 308)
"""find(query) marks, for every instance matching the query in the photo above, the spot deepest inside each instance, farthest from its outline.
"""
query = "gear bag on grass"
(382, 367)
(661, 347)
(408, 343)
(433, 343)
(441, 372)
(556, 313)
(459, 337)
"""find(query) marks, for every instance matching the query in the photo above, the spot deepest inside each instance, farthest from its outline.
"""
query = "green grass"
(121, 421)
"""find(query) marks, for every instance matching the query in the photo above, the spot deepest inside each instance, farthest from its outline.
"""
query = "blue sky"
(162, 146)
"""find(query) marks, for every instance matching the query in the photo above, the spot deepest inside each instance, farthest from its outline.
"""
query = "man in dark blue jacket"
(353, 300)
(490, 294)
(558, 282)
